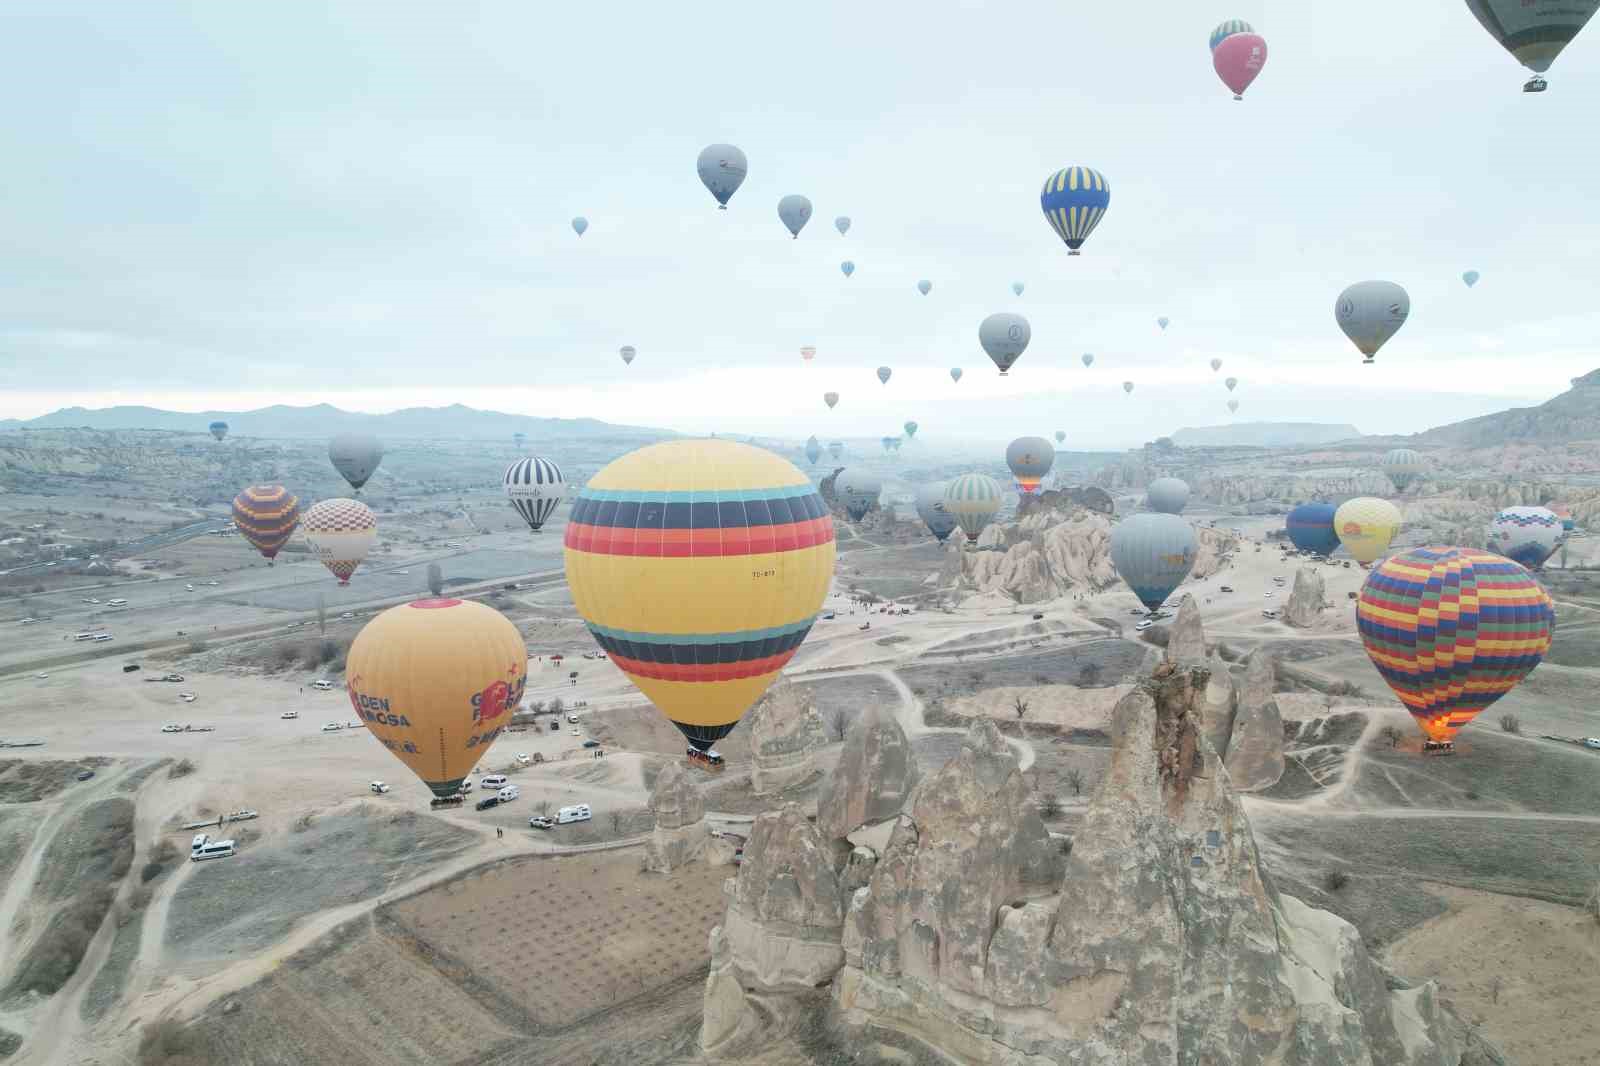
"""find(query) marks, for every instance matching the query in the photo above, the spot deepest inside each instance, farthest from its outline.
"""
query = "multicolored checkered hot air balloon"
(266, 516)
(699, 566)
(1452, 630)
(1529, 535)
(340, 532)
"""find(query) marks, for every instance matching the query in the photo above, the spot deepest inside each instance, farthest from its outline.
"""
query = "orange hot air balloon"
(436, 681)
(266, 515)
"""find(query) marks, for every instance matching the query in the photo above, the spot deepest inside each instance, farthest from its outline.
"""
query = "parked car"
(487, 802)
(1142, 626)
(522, 757)
(333, 727)
(1227, 588)
(378, 787)
(322, 686)
(509, 793)
(172, 729)
(591, 743)
(1269, 614)
(495, 781)
(539, 821)
(1038, 616)
(555, 725)
(290, 714)
(1592, 742)
(572, 718)
(577, 732)
(84, 775)
(187, 697)
(129, 668)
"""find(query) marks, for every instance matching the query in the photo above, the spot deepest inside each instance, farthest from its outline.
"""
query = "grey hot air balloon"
(1533, 31)
(1029, 460)
(973, 499)
(1153, 553)
(1088, 359)
(795, 211)
(955, 373)
(848, 267)
(836, 448)
(1127, 386)
(831, 399)
(1060, 436)
(1403, 466)
(1016, 288)
(628, 352)
(859, 490)
(884, 373)
(813, 451)
(1233, 405)
(356, 456)
(1168, 495)
(218, 429)
(722, 169)
(1470, 277)
(1163, 322)
(1370, 312)
(1004, 337)
(931, 509)
(580, 224)
(1216, 364)
(924, 286)
(842, 224)
(911, 429)
(1232, 383)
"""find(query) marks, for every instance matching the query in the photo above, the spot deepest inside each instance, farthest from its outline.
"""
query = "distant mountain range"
(1572, 416)
(324, 420)
(1264, 435)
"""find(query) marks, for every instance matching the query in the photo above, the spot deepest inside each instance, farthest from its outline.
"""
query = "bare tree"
(1594, 897)
(1050, 807)
(322, 614)
(1074, 778)
(557, 705)
(543, 807)
(838, 721)
(616, 821)
(1392, 735)
(1020, 705)
(435, 579)
(1510, 723)
(1089, 675)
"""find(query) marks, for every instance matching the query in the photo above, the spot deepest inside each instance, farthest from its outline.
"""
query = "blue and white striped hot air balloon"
(1074, 200)
(1227, 28)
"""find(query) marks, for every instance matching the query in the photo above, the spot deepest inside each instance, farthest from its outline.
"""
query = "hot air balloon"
(973, 499)
(809, 352)
(1163, 322)
(836, 448)
(1470, 277)
(535, 488)
(1563, 512)
(356, 456)
(339, 533)
(884, 374)
(1534, 31)
(580, 224)
(911, 429)
(1088, 359)
(519, 439)
(1016, 288)
(795, 211)
(1004, 338)
(436, 681)
(831, 399)
(931, 509)
(1060, 436)
(924, 286)
(627, 352)
(955, 373)
(1403, 466)
(1074, 200)
(1153, 553)
(1127, 386)
(858, 490)
(265, 516)
(1216, 364)
(813, 451)
(1370, 312)
(1167, 495)
(1237, 59)
(1029, 459)
(888, 443)
(1365, 526)
(1233, 405)
(842, 224)
(848, 267)
(1527, 535)
(1227, 28)
(699, 566)
(722, 169)
(1231, 383)
(1452, 630)
(218, 429)
(1310, 528)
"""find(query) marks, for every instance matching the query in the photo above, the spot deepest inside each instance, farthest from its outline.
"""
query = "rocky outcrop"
(1255, 750)
(1186, 644)
(681, 833)
(1186, 637)
(785, 733)
(1305, 602)
(875, 774)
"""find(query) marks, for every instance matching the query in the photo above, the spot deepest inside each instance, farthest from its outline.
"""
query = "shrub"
(1074, 778)
(287, 656)
(165, 1040)
(327, 651)
(182, 768)
(55, 956)
(1472, 794)
(1510, 723)
(1392, 735)
(1066, 845)
(1335, 880)
(1050, 807)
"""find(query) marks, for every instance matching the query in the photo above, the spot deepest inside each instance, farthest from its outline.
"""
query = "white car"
(187, 697)
(333, 727)
(91, 600)
(289, 715)
(188, 588)
(522, 757)
(378, 787)
(1269, 614)
(577, 733)
(322, 686)
(1142, 626)
(572, 718)
(172, 729)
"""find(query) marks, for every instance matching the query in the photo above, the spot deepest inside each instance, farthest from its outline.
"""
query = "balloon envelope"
(1216, 364)
(1470, 277)
(1233, 405)
(580, 224)
(813, 451)
(436, 681)
(339, 533)
(722, 169)
(1231, 383)
(1227, 28)
(1029, 460)
(266, 516)
(911, 429)
(627, 352)
(535, 487)
(795, 211)
(1004, 338)
(1127, 386)
(884, 374)
(1452, 630)
(1403, 466)
(831, 399)
(842, 224)
(1016, 288)
(1534, 31)
(1088, 360)
(1167, 495)
(1238, 58)
(1526, 535)
(356, 456)
(931, 509)
(955, 373)
(859, 489)
(1074, 199)
(809, 352)
(973, 499)
(1310, 528)
(1365, 526)
(1060, 436)
(218, 429)
(699, 567)
(1153, 553)
(1163, 322)
(1370, 312)
(848, 267)
(924, 287)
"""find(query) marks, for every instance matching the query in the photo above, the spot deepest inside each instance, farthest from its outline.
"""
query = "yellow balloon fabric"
(1365, 526)
(699, 566)
(436, 681)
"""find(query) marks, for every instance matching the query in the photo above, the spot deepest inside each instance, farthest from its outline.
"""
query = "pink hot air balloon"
(1238, 60)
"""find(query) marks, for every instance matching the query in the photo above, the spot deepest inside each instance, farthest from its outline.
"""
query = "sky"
(368, 204)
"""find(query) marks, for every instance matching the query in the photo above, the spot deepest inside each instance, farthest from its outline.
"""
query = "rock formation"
(1255, 752)
(785, 732)
(875, 774)
(680, 834)
(1305, 602)
(1186, 645)
(1186, 637)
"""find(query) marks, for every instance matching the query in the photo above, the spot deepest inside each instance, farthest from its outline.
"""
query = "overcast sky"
(229, 205)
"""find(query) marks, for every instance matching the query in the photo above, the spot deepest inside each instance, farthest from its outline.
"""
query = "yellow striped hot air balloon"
(266, 516)
(699, 566)
(1365, 526)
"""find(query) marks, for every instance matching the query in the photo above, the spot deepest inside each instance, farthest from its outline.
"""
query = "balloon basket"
(1368, 361)
(343, 582)
(1238, 96)
(722, 207)
(447, 801)
(1073, 251)
(1438, 747)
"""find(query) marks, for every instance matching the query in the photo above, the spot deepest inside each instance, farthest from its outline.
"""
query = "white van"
(116, 603)
(509, 793)
(84, 636)
(204, 848)
(580, 813)
(99, 637)
(322, 686)
(494, 780)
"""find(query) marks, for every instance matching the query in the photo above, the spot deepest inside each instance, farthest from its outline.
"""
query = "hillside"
(324, 420)
(1264, 434)
(1572, 416)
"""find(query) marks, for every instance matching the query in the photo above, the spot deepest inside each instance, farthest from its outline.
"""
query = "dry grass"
(182, 768)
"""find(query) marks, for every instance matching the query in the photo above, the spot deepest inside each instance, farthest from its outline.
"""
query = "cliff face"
(785, 733)
(1572, 416)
